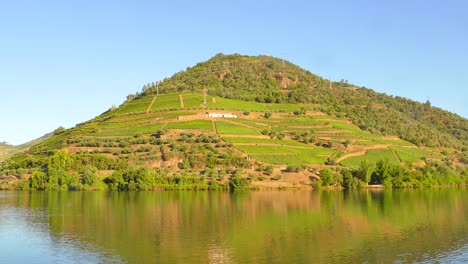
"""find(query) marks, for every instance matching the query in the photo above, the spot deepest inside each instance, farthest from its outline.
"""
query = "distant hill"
(257, 118)
(6, 150)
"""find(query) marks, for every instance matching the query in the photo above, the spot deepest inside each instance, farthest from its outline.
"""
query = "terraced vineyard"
(312, 138)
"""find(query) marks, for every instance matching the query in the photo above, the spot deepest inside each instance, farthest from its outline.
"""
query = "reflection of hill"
(26, 237)
(301, 226)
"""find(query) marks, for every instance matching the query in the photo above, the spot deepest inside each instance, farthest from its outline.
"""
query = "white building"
(216, 115)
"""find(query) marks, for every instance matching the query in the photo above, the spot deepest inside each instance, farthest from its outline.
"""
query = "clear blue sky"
(64, 62)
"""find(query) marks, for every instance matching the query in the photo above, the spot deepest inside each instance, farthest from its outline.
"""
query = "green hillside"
(7, 150)
(290, 128)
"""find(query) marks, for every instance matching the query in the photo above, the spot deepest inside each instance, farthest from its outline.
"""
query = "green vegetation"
(194, 124)
(287, 118)
(265, 79)
(372, 155)
(166, 102)
(231, 128)
(7, 150)
(136, 106)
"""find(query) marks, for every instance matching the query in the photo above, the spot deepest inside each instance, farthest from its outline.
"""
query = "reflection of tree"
(259, 226)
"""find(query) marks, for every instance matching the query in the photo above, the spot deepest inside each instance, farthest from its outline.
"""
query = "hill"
(268, 79)
(7, 150)
(262, 122)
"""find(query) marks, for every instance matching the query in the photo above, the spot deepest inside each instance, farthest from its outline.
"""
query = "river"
(392, 226)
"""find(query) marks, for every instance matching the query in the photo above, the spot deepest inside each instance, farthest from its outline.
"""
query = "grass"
(312, 159)
(286, 107)
(229, 128)
(260, 124)
(407, 157)
(134, 106)
(372, 155)
(166, 102)
(193, 100)
(230, 104)
(286, 155)
(292, 159)
(416, 152)
(52, 143)
(314, 151)
(345, 126)
(384, 142)
(194, 124)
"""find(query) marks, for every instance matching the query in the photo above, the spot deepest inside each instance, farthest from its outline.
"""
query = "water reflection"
(256, 227)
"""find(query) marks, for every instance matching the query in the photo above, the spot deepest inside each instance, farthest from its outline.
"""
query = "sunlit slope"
(277, 134)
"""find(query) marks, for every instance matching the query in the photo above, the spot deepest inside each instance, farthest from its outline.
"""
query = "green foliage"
(60, 161)
(59, 131)
(238, 183)
(295, 168)
(90, 176)
(38, 180)
(365, 170)
(372, 155)
(123, 139)
(262, 79)
(326, 177)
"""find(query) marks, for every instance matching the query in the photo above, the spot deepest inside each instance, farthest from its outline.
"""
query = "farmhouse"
(221, 115)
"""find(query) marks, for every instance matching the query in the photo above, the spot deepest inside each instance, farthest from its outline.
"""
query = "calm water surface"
(423, 226)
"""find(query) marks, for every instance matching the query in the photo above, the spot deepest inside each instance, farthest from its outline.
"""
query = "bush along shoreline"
(60, 174)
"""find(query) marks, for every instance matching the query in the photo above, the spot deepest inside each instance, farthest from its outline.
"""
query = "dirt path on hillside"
(181, 98)
(396, 155)
(151, 105)
(214, 127)
(354, 154)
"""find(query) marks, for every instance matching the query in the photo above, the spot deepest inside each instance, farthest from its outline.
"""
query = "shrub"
(295, 168)
(237, 183)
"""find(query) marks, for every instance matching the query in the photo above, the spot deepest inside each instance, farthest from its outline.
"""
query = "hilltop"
(235, 121)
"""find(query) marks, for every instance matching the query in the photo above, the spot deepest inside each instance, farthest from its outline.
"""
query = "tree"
(90, 176)
(60, 161)
(326, 177)
(237, 183)
(365, 170)
(38, 180)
